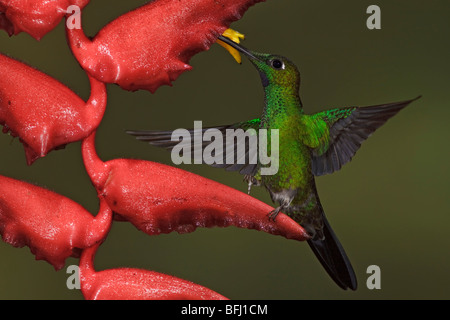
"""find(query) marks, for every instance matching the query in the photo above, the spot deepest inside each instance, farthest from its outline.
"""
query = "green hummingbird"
(309, 146)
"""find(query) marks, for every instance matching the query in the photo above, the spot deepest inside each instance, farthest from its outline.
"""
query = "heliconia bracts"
(152, 45)
(132, 188)
(51, 225)
(36, 17)
(146, 48)
(44, 113)
(136, 284)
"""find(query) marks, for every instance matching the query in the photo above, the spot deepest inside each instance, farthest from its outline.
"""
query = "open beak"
(239, 48)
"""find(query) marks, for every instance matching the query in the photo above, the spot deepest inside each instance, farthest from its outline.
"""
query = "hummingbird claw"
(273, 214)
(250, 180)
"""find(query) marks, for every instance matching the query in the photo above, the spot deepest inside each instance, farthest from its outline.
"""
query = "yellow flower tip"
(236, 37)
(233, 35)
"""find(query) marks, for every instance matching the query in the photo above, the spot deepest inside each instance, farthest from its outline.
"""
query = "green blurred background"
(389, 206)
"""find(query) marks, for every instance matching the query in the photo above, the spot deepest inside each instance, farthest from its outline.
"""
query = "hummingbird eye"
(277, 64)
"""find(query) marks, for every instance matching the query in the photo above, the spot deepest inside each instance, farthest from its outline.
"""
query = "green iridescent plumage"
(309, 146)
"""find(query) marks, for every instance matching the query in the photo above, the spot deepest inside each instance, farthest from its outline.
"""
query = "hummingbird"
(310, 145)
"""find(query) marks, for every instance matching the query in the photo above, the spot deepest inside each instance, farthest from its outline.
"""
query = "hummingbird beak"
(253, 57)
(239, 48)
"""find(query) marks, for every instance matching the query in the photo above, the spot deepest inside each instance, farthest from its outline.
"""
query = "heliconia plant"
(37, 17)
(157, 198)
(136, 284)
(152, 45)
(44, 113)
(51, 225)
(143, 49)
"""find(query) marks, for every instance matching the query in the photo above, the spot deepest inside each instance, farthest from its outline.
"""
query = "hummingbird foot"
(251, 180)
(274, 213)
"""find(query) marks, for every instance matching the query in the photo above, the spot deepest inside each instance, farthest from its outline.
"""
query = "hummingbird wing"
(348, 128)
(245, 162)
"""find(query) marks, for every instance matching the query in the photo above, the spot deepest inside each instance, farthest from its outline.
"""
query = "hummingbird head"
(273, 69)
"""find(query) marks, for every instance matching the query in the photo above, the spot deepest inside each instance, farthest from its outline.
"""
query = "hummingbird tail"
(333, 258)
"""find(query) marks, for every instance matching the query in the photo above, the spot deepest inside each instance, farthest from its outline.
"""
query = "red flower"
(143, 49)
(136, 284)
(37, 17)
(44, 113)
(151, 46)
(53, 226)
(157, 198)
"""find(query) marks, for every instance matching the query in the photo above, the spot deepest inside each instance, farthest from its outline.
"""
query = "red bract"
(35, 17)
(136, 284)
(44, 113)
(151, 46)
(53, 226)
(157, 198)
